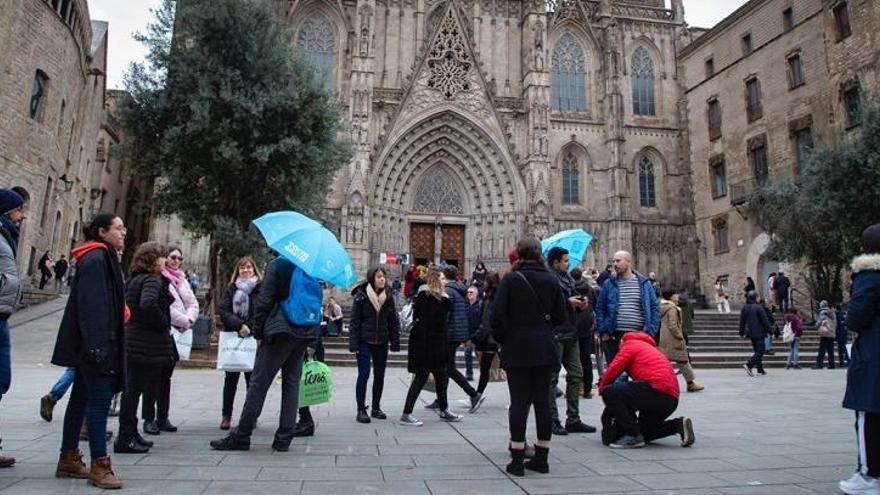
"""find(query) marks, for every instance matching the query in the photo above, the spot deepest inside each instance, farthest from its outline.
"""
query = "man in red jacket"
(652, 393)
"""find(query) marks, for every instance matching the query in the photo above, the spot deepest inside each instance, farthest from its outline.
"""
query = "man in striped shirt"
(627, 303)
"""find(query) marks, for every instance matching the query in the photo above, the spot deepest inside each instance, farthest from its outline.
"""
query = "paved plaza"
(784, 433)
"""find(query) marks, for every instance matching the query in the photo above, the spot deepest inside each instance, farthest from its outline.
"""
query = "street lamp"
(68, 184)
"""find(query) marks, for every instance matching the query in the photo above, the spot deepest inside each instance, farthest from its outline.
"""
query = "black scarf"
(10, 232)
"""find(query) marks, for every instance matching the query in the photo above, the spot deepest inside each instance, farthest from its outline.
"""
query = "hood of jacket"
(667, 306)
(78, 252)
(642, 336)
(865, 262)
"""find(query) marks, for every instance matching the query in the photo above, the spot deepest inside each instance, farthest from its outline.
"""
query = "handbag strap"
(535, 296)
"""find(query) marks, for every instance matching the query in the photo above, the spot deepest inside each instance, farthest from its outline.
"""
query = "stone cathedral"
(476, 121)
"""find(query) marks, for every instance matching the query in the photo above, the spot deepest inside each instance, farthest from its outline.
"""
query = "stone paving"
(780, 434)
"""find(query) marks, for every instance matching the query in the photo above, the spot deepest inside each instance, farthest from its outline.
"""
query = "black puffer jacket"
(367, 326)
(586, 318)
(568, 329)
(148, 339)
(427, 340)
(483, 339)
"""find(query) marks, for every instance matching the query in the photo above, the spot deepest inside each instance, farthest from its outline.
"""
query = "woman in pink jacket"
(184, 312)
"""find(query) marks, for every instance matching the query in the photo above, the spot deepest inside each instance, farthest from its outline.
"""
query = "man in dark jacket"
(782, 285)
(569, 350)
(457, 333)
(754, 325)
(60, 273)
(474, 317)
(283, 346)
(586, 320)
(862, 393)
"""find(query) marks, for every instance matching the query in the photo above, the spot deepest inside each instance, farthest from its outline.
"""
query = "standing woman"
(428, 348)
(485, 342)
(237, 313)
(479, 276)
(373, 326)
(149, 348)
(528, 305)
(184, 313)
(90, 339)
(333, 314)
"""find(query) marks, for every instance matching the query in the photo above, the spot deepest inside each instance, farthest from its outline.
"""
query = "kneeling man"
(652, 393)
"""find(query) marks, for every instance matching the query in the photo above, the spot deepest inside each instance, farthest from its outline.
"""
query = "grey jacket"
(10, 284)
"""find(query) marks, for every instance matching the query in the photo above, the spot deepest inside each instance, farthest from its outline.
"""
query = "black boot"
(516, 467)
(141, 440)
(151, 428)
(539, 462)
(126, 444)
(304, 429)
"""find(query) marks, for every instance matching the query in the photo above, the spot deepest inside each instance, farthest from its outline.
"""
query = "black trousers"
(486, 359)
(305, 415)
(158, 397)
(868, 440)
(586, 346)
(139, 379)
(624, 400)
(826, 345)
(415, 388)
(842, 355)
(230, 386)
(757, 359)
(453, 373)
(528, 388)
(610, 347)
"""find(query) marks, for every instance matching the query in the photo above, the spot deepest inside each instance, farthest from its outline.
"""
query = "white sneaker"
(860, 485)
(409, 420)
(449, 416)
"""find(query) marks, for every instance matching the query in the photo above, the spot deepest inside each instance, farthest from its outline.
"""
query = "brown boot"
(102, 474)
(71, 465)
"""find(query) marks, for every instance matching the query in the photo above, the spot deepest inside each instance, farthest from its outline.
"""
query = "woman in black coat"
(237, 314)
(483, 339)
(428, 348)
(374, 325)
(90, 339)
(149, 346)
(529, 304)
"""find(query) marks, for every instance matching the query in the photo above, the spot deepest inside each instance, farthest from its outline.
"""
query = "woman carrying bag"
(237, 312)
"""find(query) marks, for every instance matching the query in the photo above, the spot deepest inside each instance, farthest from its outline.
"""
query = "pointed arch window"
(316, 40)
(647, 192)
(568, 76)
(570, 180)
(643, 83)
(437, 193)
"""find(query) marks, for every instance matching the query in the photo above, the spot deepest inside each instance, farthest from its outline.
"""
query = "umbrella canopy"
(308, 245)
(576, 241)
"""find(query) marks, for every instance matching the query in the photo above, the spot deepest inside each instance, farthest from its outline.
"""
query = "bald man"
(627, 303)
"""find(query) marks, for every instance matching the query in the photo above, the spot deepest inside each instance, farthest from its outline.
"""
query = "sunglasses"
(176, 258)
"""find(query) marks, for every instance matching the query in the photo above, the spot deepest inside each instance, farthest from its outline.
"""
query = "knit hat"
(9, 200)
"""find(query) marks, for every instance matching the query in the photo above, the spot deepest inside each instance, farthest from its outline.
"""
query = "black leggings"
(486, 359)
(868, 439)
(528, 387)
(158, 397)
(415, 388)
(452, 370)
(230, 385)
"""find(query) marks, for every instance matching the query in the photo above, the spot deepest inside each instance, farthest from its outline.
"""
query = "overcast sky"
(129, 16)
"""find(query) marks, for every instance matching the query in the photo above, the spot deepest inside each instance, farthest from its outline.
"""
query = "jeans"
(469, 362)
(757, 358)
(284, 353)
(794, 353)
(415, 388)
(452, 370)
(64, 382)
(89, 400)
(158, 397)
(230, 385)
(624, 400)
(826, 345)
(586, 347)
(569, 352)
(59, 285)
(378, 355)
(842, 355)
(768, 344)
(528, 388)
(5, 358)
(139, 379)
(783, 301)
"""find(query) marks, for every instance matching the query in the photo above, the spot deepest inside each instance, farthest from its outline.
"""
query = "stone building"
(475, 121)
(53, 61)
(762, 87)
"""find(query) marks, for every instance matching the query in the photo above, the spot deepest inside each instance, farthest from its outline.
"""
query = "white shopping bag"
(236, 353)
(183, 339)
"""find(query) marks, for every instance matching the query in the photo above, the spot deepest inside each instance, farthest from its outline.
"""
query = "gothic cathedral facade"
(476, 121)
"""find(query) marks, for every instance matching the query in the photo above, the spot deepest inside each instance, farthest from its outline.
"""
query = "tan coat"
(671, 338)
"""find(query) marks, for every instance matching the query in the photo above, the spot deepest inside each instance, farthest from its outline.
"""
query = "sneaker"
(165, 425)
(409, 420)
(231, 442)
(46, 407)
(449, 416)
(694, 387)
(378, 414)
(859, 484)
(151, 428)
(687, 432)
(629, 442)
(748, 369)
(280, 446)
(362, 416)
(579, 427)
(476, 402)
(558, 429)
(433, 406)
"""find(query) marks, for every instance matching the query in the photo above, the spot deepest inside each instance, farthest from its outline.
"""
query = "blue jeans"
(469, 362)
(89, 401)
(5, 358)
(377, 355)
(64, 382)
(794, 353)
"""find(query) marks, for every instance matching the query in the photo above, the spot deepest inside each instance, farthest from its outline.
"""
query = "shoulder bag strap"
(535, 295)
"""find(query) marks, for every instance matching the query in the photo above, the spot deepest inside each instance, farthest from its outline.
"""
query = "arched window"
(570, 180)
(569, 76)
(643, 83)
(316, 39)
(647, 194)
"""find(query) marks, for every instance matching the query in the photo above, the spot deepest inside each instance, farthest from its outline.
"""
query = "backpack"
(303, 304)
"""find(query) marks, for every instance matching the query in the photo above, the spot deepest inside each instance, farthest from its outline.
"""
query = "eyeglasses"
(176, 258)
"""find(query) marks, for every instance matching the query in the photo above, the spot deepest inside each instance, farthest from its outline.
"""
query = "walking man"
(12, 214)
(782, 285)
(754, 325)
(627, 303)
(60, 273)
(569, 351)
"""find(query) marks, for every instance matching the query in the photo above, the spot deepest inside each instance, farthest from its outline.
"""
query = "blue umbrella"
(308, 245)
(576, 241)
